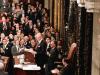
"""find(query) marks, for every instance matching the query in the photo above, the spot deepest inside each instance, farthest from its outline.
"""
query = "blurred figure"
(48, 40)
(16, 48)
(40, 56)
(2, 36)
(2, 68)
(6, 51)
(33, 44)
(52, 58)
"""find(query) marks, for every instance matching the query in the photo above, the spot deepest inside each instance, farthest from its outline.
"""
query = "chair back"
(72, 50)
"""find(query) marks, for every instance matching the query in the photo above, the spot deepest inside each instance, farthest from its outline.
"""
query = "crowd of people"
(27, 26)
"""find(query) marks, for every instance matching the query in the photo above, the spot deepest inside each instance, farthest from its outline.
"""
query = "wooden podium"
(28, 67)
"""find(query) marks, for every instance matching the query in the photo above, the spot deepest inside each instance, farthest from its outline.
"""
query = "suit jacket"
(50, 64)
(15, 51)
(41, 53)
(1, 27)
(6, 50)
(52, 58)
(26, 29)
(5, 31)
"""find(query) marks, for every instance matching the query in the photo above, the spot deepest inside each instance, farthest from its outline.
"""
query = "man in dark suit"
(53, 55)
(4, 25)
(40, 51)
(6, 47)
(6, 51)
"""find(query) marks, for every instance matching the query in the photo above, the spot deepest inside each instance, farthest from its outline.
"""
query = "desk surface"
(27, 66)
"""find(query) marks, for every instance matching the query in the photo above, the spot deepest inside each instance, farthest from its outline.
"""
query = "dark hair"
(55, 42)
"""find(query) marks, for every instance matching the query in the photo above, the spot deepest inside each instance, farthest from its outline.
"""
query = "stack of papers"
(27, 67)
(18, 66)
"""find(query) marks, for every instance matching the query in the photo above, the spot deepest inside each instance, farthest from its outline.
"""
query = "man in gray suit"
(16, 49)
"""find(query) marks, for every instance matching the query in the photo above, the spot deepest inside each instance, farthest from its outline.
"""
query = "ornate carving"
(90, 5)
(81, 3)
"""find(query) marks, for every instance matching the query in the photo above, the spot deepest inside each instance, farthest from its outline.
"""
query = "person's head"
(2, 35)
(18, 32)
(16, 38)
(48, 33)
(7, 39)
(18, 6)
(11, 36)
(26, 38)
(33, 42)
(17, 25)
(30, 37)
(34, 26)
(38, 21)
(17, 42)
(4, 41)
(36, 30)
(48, 40)
(3, 19)
(26, 18)
(22, 42)
(53, 44)
(30, 22)
(32, 7)
(38, 36)
(59, 43)
(37, 2)
(40, 5)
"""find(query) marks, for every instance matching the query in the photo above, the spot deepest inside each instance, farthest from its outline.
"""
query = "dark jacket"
(7, 52)
(51, 61)
(41, 54)
(52, 58)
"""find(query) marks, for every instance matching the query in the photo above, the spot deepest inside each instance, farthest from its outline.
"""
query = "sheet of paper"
(27, 67)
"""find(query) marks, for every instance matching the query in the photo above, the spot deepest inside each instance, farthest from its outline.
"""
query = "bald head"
(38, 36)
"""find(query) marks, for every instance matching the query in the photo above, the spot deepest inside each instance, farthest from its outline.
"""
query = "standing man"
(53, 56)
(40, 54)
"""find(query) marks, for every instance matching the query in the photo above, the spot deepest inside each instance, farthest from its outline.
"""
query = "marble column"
(46, 3)
(94, 7)
(96, 45)
(86, 33)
